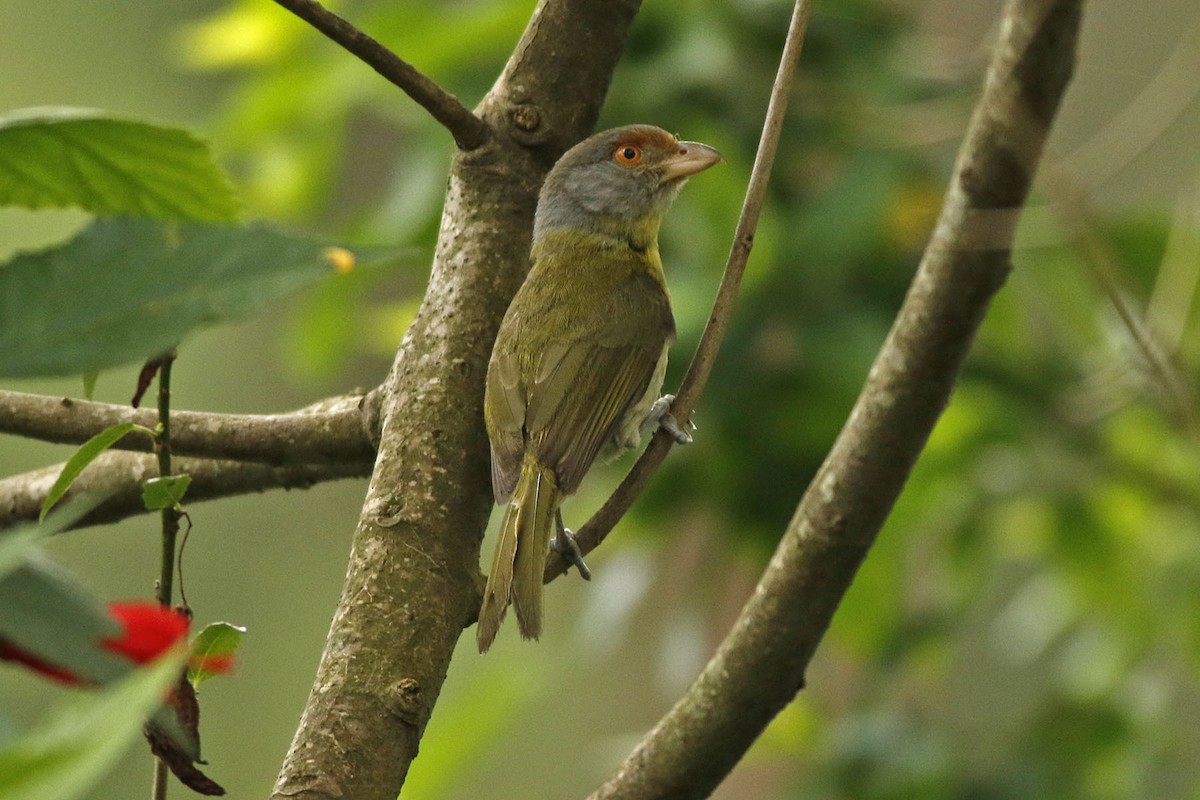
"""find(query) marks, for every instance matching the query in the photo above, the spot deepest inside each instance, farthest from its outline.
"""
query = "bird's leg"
(566, 546)
(660, 416)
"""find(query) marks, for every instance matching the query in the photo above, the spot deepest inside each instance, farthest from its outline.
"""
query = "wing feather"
(504, 412)
(605, 385)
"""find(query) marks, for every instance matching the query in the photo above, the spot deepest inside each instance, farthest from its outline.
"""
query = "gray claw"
(671, 426)
(660, 412)
(566, 546)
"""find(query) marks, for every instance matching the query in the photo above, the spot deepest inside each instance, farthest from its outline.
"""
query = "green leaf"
(165, 492)
(72, 749)
(217, 641)
(61, 157)
(85, 455)
(126, 289)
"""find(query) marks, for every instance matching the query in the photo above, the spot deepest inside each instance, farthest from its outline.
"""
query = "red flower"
(150, 630)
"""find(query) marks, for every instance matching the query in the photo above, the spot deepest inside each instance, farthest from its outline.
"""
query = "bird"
(579, 358)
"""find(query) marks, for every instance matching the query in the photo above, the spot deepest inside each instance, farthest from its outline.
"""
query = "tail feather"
(499, 583)
(520, 557)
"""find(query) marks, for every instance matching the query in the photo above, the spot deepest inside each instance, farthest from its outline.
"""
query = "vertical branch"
(164, 586)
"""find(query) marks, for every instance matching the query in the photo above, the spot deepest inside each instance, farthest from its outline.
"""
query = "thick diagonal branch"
(760, 666)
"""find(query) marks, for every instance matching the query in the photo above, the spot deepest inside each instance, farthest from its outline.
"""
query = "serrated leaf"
(85, 455)
(212, 649)
(165, 492)
(63, 157)
(127, 289)
(69, 751)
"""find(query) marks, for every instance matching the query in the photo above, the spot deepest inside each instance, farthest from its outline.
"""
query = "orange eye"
(628, 154)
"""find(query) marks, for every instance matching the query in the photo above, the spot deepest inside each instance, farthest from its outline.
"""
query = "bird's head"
(619, 182)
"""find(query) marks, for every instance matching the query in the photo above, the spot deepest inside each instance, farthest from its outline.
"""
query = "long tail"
(520, 558)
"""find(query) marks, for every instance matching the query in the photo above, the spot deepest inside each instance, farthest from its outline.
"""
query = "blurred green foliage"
(1027, 624)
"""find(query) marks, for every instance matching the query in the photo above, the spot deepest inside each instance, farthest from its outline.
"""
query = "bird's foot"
(565, 545)
(660, 414)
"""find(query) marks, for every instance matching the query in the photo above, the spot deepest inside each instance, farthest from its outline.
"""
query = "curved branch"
(338, 429)
(760, 666)
(468, 130)
(119, 476)
(593, 532)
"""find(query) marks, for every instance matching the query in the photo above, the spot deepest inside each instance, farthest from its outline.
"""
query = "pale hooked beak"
(689, 158)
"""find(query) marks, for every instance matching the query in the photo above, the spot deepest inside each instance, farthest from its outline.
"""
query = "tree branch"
(593, 532)
(760, 666)
(412, 583)
(119, 476)
(338, 429)
(468, 130)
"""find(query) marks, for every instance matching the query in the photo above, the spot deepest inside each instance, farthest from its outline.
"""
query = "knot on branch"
(403, 699)
(526, 117)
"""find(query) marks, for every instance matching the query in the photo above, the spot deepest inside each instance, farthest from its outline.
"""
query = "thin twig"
(468, 130)
(593, 532)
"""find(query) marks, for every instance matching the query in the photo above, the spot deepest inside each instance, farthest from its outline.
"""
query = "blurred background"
(1027, 625)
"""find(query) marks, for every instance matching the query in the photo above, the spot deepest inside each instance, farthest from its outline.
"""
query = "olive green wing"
(562, 388)
(504, 413)
(582, 398)
(578, 395)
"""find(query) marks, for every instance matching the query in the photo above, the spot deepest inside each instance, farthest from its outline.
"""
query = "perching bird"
(580, 356)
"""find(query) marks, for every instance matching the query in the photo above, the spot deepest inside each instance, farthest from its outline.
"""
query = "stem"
(170, 526)
(159, 790)
(170, 516)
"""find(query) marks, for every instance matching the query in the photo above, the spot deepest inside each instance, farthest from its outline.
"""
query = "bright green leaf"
(213, 647)
(68, 752)
(165, 492)
(126, 289)
(85, 455)
(61, 157)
